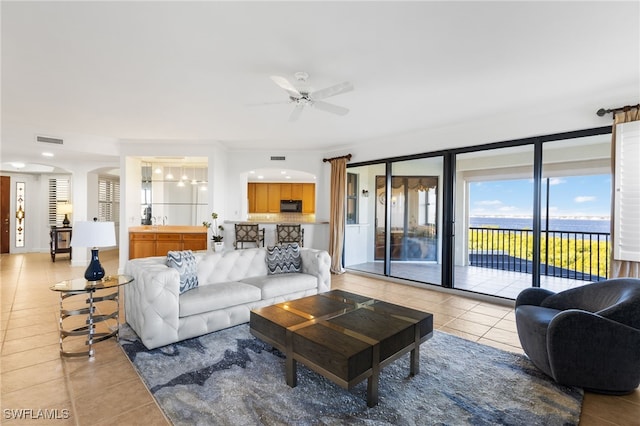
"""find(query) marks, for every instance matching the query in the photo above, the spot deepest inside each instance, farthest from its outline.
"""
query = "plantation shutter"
(59, 192)
(108, 199)
(627, 193)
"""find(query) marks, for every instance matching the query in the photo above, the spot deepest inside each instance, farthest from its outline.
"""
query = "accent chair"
(289, 233)
(587, 336)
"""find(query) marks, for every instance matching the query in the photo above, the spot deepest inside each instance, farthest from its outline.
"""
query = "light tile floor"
(494, 282)
(106, 390)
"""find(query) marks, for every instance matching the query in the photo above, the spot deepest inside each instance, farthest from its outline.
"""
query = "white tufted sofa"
(231, 283)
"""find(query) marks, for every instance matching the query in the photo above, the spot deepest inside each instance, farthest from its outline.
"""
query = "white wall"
(240, 163)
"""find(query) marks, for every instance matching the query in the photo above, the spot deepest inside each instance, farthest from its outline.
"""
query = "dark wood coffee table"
(343, 336)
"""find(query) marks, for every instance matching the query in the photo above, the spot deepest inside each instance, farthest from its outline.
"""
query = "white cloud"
(556, 181)
(489, 203)
(584, 198)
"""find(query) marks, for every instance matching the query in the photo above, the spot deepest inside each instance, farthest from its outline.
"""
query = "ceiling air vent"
(46, 139)
(278, 158)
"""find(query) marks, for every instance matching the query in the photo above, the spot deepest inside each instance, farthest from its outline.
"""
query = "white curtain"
(621, 268)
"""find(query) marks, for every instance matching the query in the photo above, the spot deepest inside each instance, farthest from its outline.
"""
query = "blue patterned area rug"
(231, 378)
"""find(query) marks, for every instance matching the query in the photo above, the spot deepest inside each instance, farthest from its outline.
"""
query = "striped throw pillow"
(283, 259)
(185, 263)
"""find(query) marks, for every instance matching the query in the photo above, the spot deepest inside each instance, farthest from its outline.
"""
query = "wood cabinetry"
(296, 191)
(262, 198)
(251, 195)
(274, 198)
(146, 243)
(141, 245)
(265, 197)
(285, 191)
(308, 198)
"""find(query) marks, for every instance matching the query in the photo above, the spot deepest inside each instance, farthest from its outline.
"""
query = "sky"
(573, 196)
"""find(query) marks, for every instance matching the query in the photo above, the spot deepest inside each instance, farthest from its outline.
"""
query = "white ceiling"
(195, 70)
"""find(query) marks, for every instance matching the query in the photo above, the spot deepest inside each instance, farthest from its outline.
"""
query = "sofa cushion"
(232, 265)
(216, 296)
(185, 263)
(283, 259)
(281, 284)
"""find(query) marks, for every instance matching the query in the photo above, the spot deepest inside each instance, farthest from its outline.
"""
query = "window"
(108, 199)
(59, 192)
(352, 198)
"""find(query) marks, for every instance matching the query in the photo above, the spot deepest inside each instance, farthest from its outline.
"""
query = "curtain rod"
(603, 111)
(348, 157)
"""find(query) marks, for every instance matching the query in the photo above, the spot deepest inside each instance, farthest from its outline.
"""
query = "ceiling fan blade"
(295, 114)
(284, 83)
(331, 91)
(334, 109)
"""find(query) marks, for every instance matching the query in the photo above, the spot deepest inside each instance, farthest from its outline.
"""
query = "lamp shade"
(93, 234)
(65, 208)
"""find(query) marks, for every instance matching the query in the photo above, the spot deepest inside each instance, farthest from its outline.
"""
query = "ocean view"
(555, 224)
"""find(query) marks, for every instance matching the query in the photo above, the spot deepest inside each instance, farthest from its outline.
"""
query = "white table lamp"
(93, 234)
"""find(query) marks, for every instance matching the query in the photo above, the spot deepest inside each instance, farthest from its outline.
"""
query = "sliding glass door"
(494, 220)
(415, 219)
(515, 214)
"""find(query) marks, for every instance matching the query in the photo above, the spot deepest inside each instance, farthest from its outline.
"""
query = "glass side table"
(82, 287)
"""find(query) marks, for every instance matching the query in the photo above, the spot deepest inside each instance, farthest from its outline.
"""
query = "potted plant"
(216, 232)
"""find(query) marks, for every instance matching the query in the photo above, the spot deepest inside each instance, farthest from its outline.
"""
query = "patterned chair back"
(248, 233)
(286, 233)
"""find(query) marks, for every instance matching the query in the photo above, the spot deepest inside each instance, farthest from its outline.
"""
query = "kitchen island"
(156, 240)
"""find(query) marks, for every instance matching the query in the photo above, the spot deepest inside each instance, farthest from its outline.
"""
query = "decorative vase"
(218, 246)
(95, 271)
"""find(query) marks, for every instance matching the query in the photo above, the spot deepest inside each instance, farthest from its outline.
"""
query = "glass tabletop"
(80, 284)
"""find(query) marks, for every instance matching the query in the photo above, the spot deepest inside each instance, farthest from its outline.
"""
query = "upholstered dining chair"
(248, 233)
(289, 233)
(587, 336)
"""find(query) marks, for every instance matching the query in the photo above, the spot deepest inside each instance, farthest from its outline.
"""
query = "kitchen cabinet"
(262, 198)
(308, 198)
(274, 198)
(265, 197)
(251, 196)
(285, 191)
(146, 241)
(296, 191)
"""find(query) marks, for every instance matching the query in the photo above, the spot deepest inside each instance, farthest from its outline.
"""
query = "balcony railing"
(566, 254)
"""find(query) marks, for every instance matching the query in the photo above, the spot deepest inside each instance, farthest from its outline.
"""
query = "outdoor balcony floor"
(494, 282)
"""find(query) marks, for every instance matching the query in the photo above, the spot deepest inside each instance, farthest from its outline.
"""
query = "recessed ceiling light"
(253, 172)
(284, 172)
(18, 165)
(47, 154)
(288, 177)
(260, 177)
(158, 170)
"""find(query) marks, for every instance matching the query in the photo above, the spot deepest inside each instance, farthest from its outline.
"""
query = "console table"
(95, 312)
(60, 241)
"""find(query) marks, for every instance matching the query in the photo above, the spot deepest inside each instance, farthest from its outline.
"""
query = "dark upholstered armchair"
(587, 336)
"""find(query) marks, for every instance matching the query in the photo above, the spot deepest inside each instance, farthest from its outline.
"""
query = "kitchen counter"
(316, 233)
(178, 229)
(301, 218)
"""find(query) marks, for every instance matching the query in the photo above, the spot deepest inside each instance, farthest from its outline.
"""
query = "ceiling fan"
(302, 97)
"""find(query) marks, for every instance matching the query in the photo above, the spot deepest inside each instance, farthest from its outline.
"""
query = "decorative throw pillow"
(283, 259)
(185, 263)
